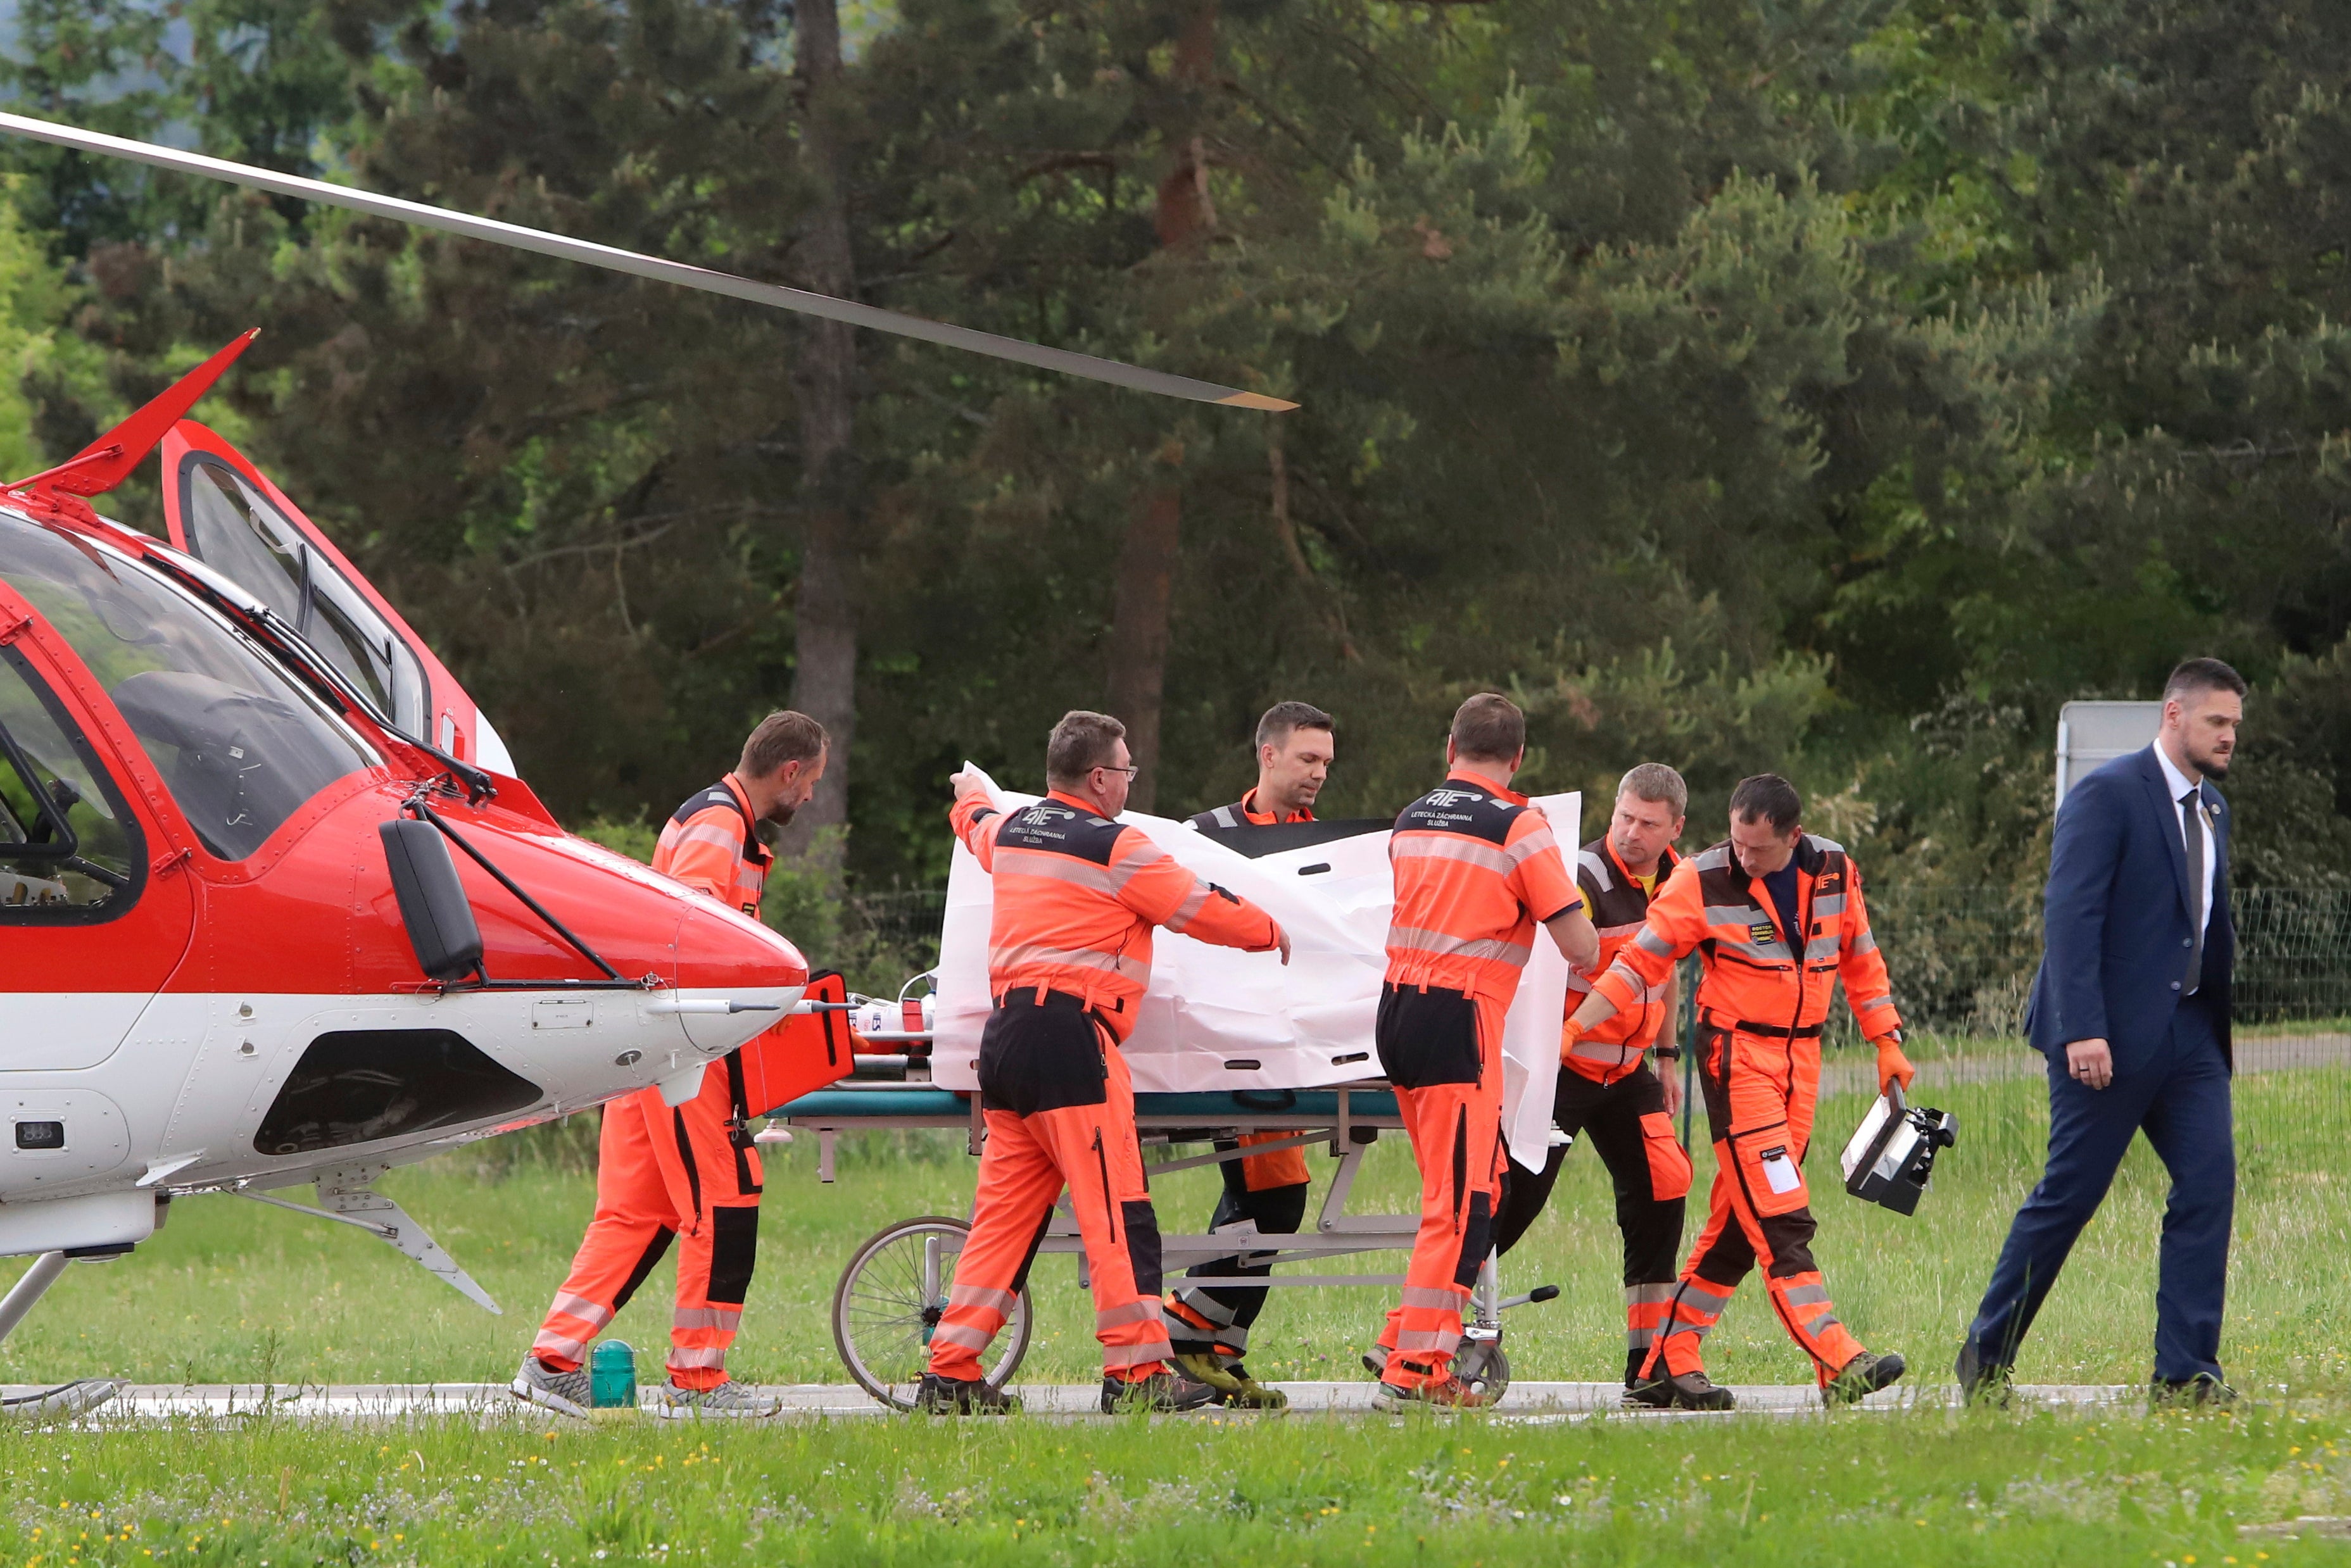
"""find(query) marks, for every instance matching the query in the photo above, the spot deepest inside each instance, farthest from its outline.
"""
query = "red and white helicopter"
(273, 908)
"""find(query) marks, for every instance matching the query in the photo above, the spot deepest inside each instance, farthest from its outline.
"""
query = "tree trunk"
(1147, 555)
(824, 685)
(1138, 638)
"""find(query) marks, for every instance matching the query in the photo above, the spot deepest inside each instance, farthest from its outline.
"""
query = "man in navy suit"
(2131, 1007)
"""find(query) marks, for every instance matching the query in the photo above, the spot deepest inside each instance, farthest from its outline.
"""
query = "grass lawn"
(236, 1292)
(1923, 1488)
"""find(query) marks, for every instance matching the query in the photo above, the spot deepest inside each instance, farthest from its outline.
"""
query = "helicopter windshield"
(65, 843)
(242, 745)
(235, 529)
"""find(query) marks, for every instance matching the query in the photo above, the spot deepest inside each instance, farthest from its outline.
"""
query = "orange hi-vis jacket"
(1477, 869)
(1612, 1048)
(712, 843)
(1076, 896)
(1244, 811)
(1755, 981)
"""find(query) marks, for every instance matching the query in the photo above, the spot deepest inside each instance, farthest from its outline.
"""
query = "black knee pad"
(733, 1253)
(1142, 1222)
(652, 1254)
(1477, 1240)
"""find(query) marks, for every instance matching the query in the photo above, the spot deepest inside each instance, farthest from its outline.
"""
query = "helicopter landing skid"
(65, 1399)
(350, 1199)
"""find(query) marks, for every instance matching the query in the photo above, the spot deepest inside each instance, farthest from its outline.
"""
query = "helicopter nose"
(726, 957)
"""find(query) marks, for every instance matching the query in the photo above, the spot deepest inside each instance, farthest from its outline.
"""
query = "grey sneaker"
(564, 1392)
(730, 1400)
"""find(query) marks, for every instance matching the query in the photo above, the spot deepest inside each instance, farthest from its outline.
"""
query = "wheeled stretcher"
(894, 1287)
(1222, 1043)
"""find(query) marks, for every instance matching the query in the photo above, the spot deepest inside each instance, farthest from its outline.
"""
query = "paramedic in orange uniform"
(689, 1172)
(1607, 1091)
(1210, 1327)
(1477, 869)
(1776, 917)
(1069, 960)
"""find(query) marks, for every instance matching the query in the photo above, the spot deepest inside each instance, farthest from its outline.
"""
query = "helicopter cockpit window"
(242, 743)
(233, 528)
(68, 850)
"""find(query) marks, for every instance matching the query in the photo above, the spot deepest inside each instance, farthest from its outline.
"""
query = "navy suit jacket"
(2117, 918)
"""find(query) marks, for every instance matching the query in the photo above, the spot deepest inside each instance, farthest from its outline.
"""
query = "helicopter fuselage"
(205, 979)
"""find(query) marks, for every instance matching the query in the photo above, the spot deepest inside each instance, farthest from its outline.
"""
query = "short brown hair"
(1488, 727)
(2196, 676)
(1656, 783)
(1282, 717)
(1768, 797)
(1080, 743)
(782, 737)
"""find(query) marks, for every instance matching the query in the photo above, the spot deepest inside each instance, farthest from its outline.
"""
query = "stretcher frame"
(1346, 1118)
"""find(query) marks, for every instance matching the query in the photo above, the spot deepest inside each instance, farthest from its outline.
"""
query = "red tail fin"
(108, 460)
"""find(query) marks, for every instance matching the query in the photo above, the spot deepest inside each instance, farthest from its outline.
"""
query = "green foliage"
(1836, 389)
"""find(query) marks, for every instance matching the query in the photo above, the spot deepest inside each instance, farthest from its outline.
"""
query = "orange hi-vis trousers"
(1761, 1092)
(1059, 1111)
(663, 1174)
(1442, 1052)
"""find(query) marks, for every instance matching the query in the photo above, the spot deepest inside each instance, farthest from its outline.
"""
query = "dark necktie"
(2191, 823)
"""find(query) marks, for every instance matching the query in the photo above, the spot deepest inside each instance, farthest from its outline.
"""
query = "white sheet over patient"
(1215, 1019)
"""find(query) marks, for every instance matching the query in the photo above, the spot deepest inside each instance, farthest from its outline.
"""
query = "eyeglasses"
(1106, 768)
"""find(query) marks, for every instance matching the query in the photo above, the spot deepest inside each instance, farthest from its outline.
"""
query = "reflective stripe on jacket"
(1612, 1047)
(712, 843)
(1711, 906)
(1076, 897)
(1243, 812)
(1476, 870)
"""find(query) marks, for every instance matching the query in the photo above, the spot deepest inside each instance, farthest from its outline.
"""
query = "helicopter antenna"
(615, 260)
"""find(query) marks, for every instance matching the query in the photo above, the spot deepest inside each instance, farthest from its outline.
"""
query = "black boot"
(962, 1396)
(1163, 1393)
(1678, 1391)
(1865, 1374)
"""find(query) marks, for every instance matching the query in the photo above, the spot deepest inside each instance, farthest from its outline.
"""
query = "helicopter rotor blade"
(615, 260)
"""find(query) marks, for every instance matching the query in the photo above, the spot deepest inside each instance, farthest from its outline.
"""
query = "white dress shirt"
(2177, 783)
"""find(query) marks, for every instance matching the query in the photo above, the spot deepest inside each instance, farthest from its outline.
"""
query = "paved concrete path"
(1537, 1403)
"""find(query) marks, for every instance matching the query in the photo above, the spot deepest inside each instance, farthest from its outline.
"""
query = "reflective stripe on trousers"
(1457, 1139)
(1092, 1150)
(664, 1174)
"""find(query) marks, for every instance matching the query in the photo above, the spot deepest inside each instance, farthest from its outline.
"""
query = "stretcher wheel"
(1482, 1365)
(891, 1297)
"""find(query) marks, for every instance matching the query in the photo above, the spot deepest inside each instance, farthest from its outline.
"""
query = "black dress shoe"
(2201, 1389)
(1982, 1382)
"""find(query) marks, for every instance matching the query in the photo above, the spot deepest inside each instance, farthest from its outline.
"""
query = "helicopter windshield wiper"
(321, 670)
(479, 785)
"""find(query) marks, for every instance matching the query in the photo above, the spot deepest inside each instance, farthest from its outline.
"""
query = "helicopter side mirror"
(433, 902)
